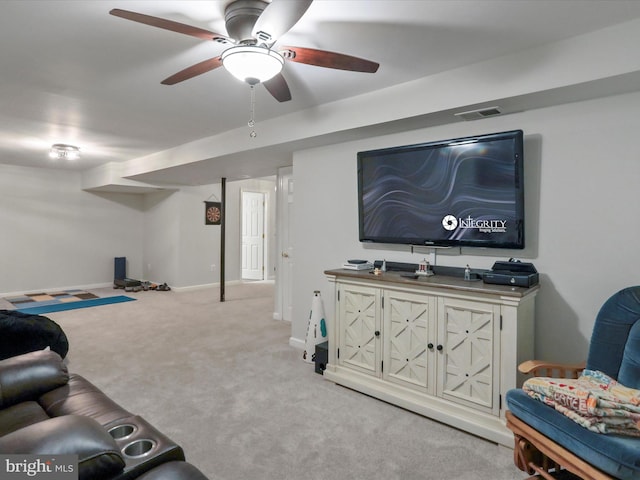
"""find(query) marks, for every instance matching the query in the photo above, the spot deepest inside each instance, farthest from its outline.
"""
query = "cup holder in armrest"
(143, 447)
(139, 448)
(122, 431)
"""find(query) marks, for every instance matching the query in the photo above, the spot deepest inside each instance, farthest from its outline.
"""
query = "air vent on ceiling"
(480, 113)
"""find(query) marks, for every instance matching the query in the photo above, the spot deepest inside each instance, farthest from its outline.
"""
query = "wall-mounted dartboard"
(212, 213)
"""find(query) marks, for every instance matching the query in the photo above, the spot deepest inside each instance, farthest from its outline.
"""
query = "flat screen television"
(451, 193)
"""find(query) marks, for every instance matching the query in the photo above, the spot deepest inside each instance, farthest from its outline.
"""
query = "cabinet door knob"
(439, 348)
(377, 333)
(430, 346)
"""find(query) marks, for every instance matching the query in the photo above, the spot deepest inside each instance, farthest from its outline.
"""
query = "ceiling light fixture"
(252, 64)
(63, 151)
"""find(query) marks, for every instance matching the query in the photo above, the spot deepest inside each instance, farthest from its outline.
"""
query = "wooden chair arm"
(539, 368)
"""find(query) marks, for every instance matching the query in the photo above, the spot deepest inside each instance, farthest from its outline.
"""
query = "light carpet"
(222, 380)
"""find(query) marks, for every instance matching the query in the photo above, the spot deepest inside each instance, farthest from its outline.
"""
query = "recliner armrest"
(98, 454)
(27, 376)
(541, 368)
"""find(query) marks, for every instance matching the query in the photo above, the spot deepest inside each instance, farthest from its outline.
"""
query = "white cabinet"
(439, 346)
(360, 322)
(409, 324)
(470, 334)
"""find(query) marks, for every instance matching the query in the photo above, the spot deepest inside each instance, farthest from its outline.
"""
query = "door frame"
(283, 290)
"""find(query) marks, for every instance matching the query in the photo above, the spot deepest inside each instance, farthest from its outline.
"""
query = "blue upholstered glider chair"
(551, 445)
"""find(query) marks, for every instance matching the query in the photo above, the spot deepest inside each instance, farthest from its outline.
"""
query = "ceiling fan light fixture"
(252, 64)
(62, 151)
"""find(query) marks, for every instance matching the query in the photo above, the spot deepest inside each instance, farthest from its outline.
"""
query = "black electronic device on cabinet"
(519, 274)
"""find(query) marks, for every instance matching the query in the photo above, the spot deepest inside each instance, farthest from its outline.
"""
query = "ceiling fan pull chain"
(252, 116)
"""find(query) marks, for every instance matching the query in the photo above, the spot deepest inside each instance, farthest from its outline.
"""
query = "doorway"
(253, 235)
(285, 260)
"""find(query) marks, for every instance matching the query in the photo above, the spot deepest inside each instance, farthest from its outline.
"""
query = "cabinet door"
(409, 329)
(469, 334)
(359, 328)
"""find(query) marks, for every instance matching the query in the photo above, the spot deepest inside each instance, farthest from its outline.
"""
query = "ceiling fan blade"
(170, 25)
(193, 71)
(323, 58)
(278, 88)
(278, 18)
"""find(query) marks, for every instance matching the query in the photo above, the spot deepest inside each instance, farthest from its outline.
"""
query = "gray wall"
(180, 249)
(582, 172)
(53, 235)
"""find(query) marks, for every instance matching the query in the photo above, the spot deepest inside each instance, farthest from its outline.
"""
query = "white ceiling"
(72, 73)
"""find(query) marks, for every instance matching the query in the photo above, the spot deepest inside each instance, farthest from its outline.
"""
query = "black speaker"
(322, 356)
(120, 268)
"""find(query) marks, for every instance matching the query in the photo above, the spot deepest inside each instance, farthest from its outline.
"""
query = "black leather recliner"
(45, 410)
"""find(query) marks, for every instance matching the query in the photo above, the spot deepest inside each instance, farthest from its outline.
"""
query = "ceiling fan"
(253, 27)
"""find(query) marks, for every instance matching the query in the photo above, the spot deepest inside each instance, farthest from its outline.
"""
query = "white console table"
(440, 346)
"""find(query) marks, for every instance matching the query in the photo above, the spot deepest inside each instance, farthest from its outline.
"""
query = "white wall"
(54, 235)
(161, 230)
(200, 243)
(582, 181)
(180, 249)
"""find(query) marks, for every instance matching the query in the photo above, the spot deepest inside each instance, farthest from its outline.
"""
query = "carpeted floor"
(221, 380)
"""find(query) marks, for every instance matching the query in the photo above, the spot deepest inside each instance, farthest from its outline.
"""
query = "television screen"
(459, 192)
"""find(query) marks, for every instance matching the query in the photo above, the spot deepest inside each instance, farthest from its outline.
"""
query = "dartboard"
(213, 214)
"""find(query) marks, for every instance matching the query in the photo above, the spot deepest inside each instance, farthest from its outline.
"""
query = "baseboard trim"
(296, 343)
(55, 289)
(204, 286)
(189, 288)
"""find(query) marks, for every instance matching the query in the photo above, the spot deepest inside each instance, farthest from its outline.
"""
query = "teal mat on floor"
(59, 307)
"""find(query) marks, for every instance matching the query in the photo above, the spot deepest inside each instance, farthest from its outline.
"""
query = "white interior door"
(284, 277)
(253, 235)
